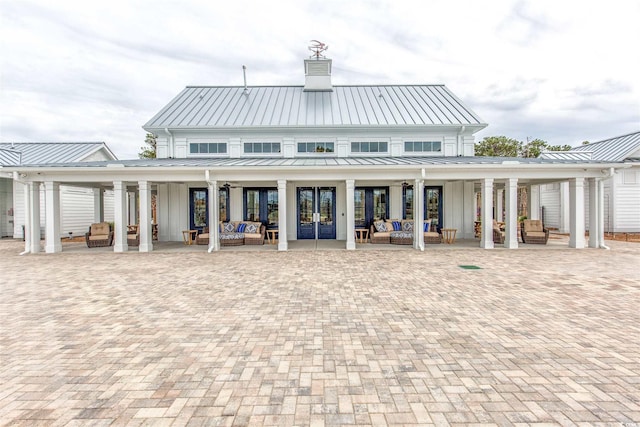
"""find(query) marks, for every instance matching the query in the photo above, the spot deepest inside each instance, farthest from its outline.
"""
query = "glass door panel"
(306, 226)
(327, 209)
(433, 205)
(199, 212)
(359, 209)
(252, 212)
(379, 204)
(272, 208)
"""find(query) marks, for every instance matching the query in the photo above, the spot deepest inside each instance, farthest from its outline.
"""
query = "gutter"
(608, 174)
(171, 145)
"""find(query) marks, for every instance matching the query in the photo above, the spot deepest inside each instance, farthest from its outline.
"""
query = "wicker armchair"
(100, 234)
(203, 238)
(533, 231)
(498, 233)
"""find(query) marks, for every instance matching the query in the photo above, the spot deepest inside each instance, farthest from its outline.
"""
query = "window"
(261, 147)
(199, 207)
(422, 146)
(315, 147)
(369, 147)
(370, 204)
(208, 148)
(261, 204)
(432, 204)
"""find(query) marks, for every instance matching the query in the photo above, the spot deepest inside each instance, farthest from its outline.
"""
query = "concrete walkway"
(324, 337)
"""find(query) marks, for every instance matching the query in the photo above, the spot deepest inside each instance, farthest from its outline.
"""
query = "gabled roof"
(35, 153)
(198, 107)
(613, 149)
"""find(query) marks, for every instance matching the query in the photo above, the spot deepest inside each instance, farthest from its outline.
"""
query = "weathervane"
(317, 48)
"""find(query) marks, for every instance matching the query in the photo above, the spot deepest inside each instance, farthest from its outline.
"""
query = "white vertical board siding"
(109, 214)
(6, 203)
(77, 210)
(627, 201)
(550, 200)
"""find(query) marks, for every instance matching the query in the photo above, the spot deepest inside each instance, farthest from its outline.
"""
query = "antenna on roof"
(244, 74)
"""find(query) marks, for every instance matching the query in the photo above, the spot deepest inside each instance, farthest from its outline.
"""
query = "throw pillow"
(241, 227)
(251, 228)
(380, 226)
(396, 226)
(228, 227)
(407, 226)
(426, 227)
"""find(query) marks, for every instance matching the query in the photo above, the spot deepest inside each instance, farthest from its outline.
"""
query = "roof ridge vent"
(317, 69)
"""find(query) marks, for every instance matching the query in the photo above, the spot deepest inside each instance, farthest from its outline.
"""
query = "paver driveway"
(321, 338)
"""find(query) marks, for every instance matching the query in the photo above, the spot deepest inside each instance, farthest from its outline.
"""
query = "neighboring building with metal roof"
(621, 192)
(317, 161)
(77, 203)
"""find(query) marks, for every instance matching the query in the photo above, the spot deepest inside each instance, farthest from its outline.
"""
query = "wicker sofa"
(533, 231)
(401, 233)
(100, 234)
(236, 233)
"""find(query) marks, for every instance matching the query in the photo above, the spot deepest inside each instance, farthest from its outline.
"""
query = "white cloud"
(562, 71)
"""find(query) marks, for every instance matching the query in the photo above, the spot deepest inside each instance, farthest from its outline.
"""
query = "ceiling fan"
(228, 185)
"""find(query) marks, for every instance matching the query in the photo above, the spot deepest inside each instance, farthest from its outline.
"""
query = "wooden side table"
(271, 236)
(449, 235)
(188, 236)
(362, 235)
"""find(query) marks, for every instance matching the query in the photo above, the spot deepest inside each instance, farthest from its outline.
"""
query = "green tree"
(498, 146)
(149, 150)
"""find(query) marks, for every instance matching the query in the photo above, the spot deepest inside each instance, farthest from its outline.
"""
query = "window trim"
(316, 153)
(262, 142)
(369, 140)
(422, 141)
(219, 143)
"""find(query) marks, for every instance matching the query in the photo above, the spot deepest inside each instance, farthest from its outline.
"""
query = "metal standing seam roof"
(380, 105)
(613, 149)
(36, 153)
(226, 162)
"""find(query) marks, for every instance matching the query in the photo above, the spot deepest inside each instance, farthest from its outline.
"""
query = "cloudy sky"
(563, 71)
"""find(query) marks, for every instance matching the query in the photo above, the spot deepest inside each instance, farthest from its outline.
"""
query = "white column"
(52, 217)
(282, 215)
(499, 205)
(214, 217)
(601, 213)
(34, 218)
(564, 207)
(533, 193)
(594, 214)
(486, 240)
(146, 233)
(27, 218)
(351, 221)
(418, 214)
(576, 206)
(511, 223)
(98, 205)
(133, 207)
(120, 216)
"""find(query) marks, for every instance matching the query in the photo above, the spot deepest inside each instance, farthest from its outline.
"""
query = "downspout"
(608, 175)
(16, 177)
(460, 141)
(171, 145)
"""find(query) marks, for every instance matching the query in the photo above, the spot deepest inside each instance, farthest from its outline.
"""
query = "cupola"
(317, 69)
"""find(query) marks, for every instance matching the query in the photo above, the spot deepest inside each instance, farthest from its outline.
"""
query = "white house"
(77, 203)
(315, 161)
(621, 192)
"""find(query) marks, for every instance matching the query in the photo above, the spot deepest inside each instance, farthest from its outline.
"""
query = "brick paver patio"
(320, 337)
